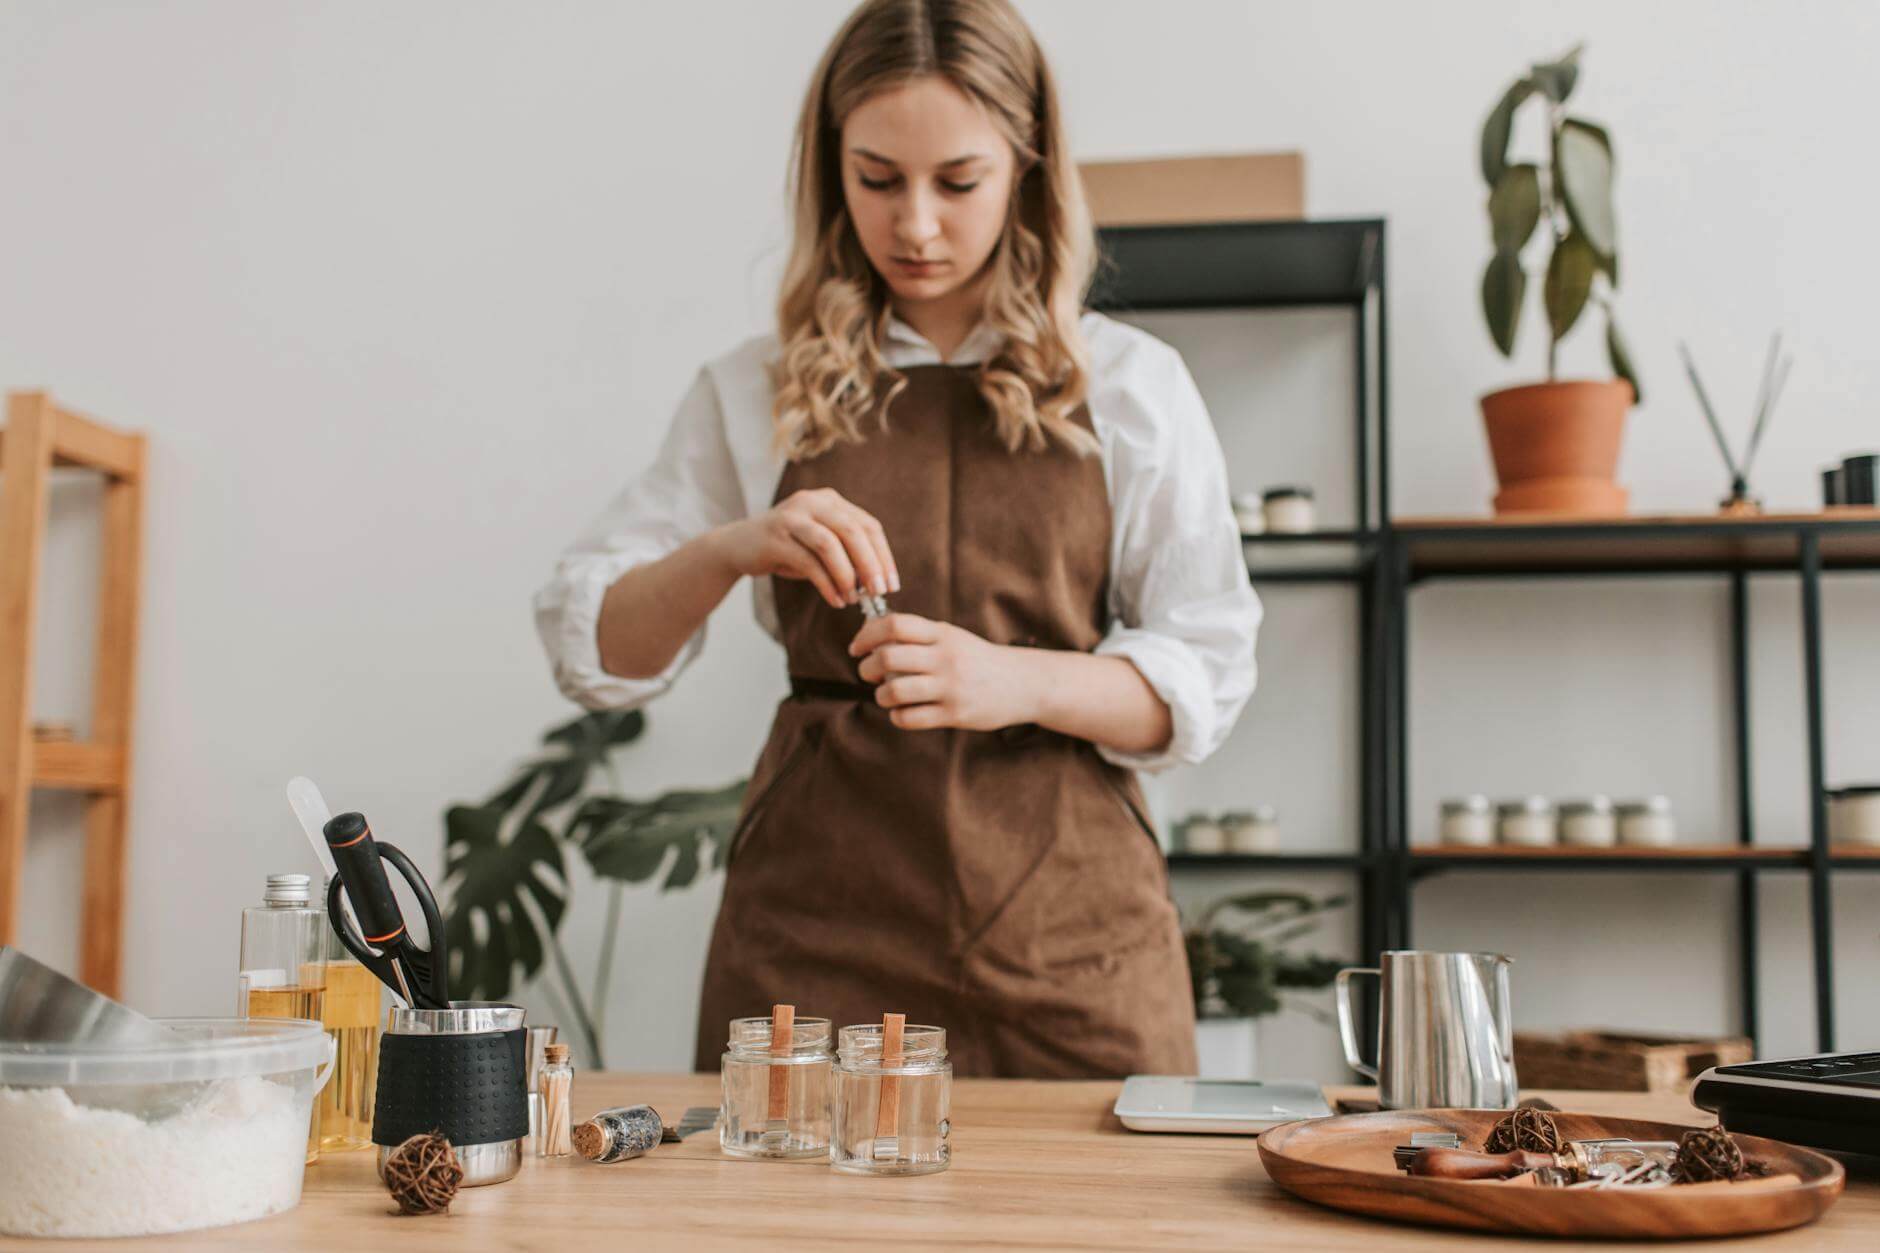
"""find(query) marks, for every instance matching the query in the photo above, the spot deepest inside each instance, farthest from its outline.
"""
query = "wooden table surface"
(1035, 1166)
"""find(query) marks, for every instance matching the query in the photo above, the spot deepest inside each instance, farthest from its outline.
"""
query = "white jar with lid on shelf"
(1854, 815)
(1250, 513)
(1528, 823)
(1202, 834)
(1589, 823)
(1467, 821)
(1647, 823)
(1289, 510)
(1253, 830)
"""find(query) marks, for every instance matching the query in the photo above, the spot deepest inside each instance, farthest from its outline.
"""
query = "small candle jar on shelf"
(1253, 830)
(1854, 815)
(1467, 821)
(1589, 823)
(1201, 833)
(1250, 513)
(1289, 510)
(1528, 823)
(1647, 823)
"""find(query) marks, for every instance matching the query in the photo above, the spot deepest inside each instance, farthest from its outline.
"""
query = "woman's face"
(928, 180)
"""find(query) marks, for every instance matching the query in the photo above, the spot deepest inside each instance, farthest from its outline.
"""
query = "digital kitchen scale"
(1830, 1101)
(1217, 1106)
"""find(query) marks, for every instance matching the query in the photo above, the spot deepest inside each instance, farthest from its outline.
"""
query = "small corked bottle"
(616, 1135)
(555, 1138)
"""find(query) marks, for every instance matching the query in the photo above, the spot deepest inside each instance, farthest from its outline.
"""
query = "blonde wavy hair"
(833, 308)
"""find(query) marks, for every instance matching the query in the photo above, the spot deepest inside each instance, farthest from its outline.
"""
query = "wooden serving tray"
(1345, 1163)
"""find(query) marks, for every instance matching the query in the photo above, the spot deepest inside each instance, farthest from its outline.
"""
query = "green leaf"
(1556, 78)
(1583, 166)
(487, 881)
(576, 750)
(1504, 284)
(1497, 129)
(1514, 206)
(631, 839)
(1621, 357)
(1240, 971)
(1569, 282)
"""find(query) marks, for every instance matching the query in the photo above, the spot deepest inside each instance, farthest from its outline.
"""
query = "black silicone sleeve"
(471, 1089)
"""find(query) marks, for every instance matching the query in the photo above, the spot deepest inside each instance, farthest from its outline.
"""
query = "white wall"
(402, 294)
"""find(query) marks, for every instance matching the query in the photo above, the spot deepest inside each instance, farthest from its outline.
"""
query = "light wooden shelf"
(78, 767)
(1674, 857)
(40, 435)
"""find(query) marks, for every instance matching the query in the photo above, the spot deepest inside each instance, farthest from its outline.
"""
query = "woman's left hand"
(933, 674)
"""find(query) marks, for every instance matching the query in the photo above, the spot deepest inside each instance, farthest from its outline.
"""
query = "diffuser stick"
(782, 1029)
(888, 1109)
(1710, 414)
(1775, 393)
(1765, 399)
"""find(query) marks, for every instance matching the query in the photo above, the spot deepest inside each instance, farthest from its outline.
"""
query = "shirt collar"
(904, 346)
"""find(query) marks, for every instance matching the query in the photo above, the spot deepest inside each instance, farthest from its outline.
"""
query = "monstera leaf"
(490, 930)
(506, 869)
(630, 840)
(576, 750)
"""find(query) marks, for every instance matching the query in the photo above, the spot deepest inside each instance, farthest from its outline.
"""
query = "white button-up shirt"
(1181, 608)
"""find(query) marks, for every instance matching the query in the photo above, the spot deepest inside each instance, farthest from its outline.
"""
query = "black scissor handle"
(386, 948)
(431, 965)
(380, 964)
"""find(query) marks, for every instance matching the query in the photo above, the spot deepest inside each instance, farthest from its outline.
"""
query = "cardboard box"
(1251, 187)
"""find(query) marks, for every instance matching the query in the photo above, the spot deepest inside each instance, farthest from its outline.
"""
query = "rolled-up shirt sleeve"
(690, 488)
(1183, 610)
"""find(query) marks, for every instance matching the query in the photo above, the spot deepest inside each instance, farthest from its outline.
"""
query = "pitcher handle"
(1347, 1030)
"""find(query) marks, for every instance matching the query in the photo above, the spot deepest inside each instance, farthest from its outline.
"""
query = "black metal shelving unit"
(1341, 264)
(1297, 265)
(1806, 548)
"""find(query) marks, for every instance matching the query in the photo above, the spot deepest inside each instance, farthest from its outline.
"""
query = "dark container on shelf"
(1858, 475)
(1833, 487)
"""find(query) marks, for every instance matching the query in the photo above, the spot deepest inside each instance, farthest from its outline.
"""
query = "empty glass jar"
(892, 1119)
(776, 1103)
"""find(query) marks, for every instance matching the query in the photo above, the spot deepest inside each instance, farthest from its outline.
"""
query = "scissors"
(419, 975)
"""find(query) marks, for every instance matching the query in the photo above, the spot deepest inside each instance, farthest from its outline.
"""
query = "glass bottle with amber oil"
(354, 1014)
(283, 966)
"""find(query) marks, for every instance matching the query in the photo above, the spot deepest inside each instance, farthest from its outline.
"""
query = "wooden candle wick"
(888, 1110)
(782, 1029)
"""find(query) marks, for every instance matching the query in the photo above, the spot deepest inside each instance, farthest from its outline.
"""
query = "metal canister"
(461, 1072)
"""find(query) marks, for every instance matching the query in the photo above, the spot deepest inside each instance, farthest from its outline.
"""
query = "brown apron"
(1004, 885)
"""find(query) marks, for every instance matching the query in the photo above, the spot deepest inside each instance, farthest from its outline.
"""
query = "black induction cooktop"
(1830, 1101)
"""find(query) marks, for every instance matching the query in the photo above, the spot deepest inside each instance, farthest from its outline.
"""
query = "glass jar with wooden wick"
(894, 1087)
(775, 1077)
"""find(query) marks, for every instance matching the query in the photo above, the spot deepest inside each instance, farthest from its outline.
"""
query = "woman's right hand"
(818, 536)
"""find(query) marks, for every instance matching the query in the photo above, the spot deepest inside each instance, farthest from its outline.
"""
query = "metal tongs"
(419, 975)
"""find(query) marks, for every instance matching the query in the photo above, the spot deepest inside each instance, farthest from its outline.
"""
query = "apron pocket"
(812, 735)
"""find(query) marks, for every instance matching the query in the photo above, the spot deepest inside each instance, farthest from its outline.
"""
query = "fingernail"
(879, 587)
(897, 583)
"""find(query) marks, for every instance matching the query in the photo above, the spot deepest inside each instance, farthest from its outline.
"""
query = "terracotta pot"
(1556, 446)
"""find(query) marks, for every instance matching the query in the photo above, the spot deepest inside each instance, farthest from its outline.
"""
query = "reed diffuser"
(1740, 503)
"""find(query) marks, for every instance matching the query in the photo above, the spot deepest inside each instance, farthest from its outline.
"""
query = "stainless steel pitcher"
(1445, 1031)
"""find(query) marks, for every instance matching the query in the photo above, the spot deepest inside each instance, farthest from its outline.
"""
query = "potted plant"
(1240, 972)
(1555, 444)
(506, 876)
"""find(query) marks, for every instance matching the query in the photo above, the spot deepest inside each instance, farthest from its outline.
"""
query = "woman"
(945, 821)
